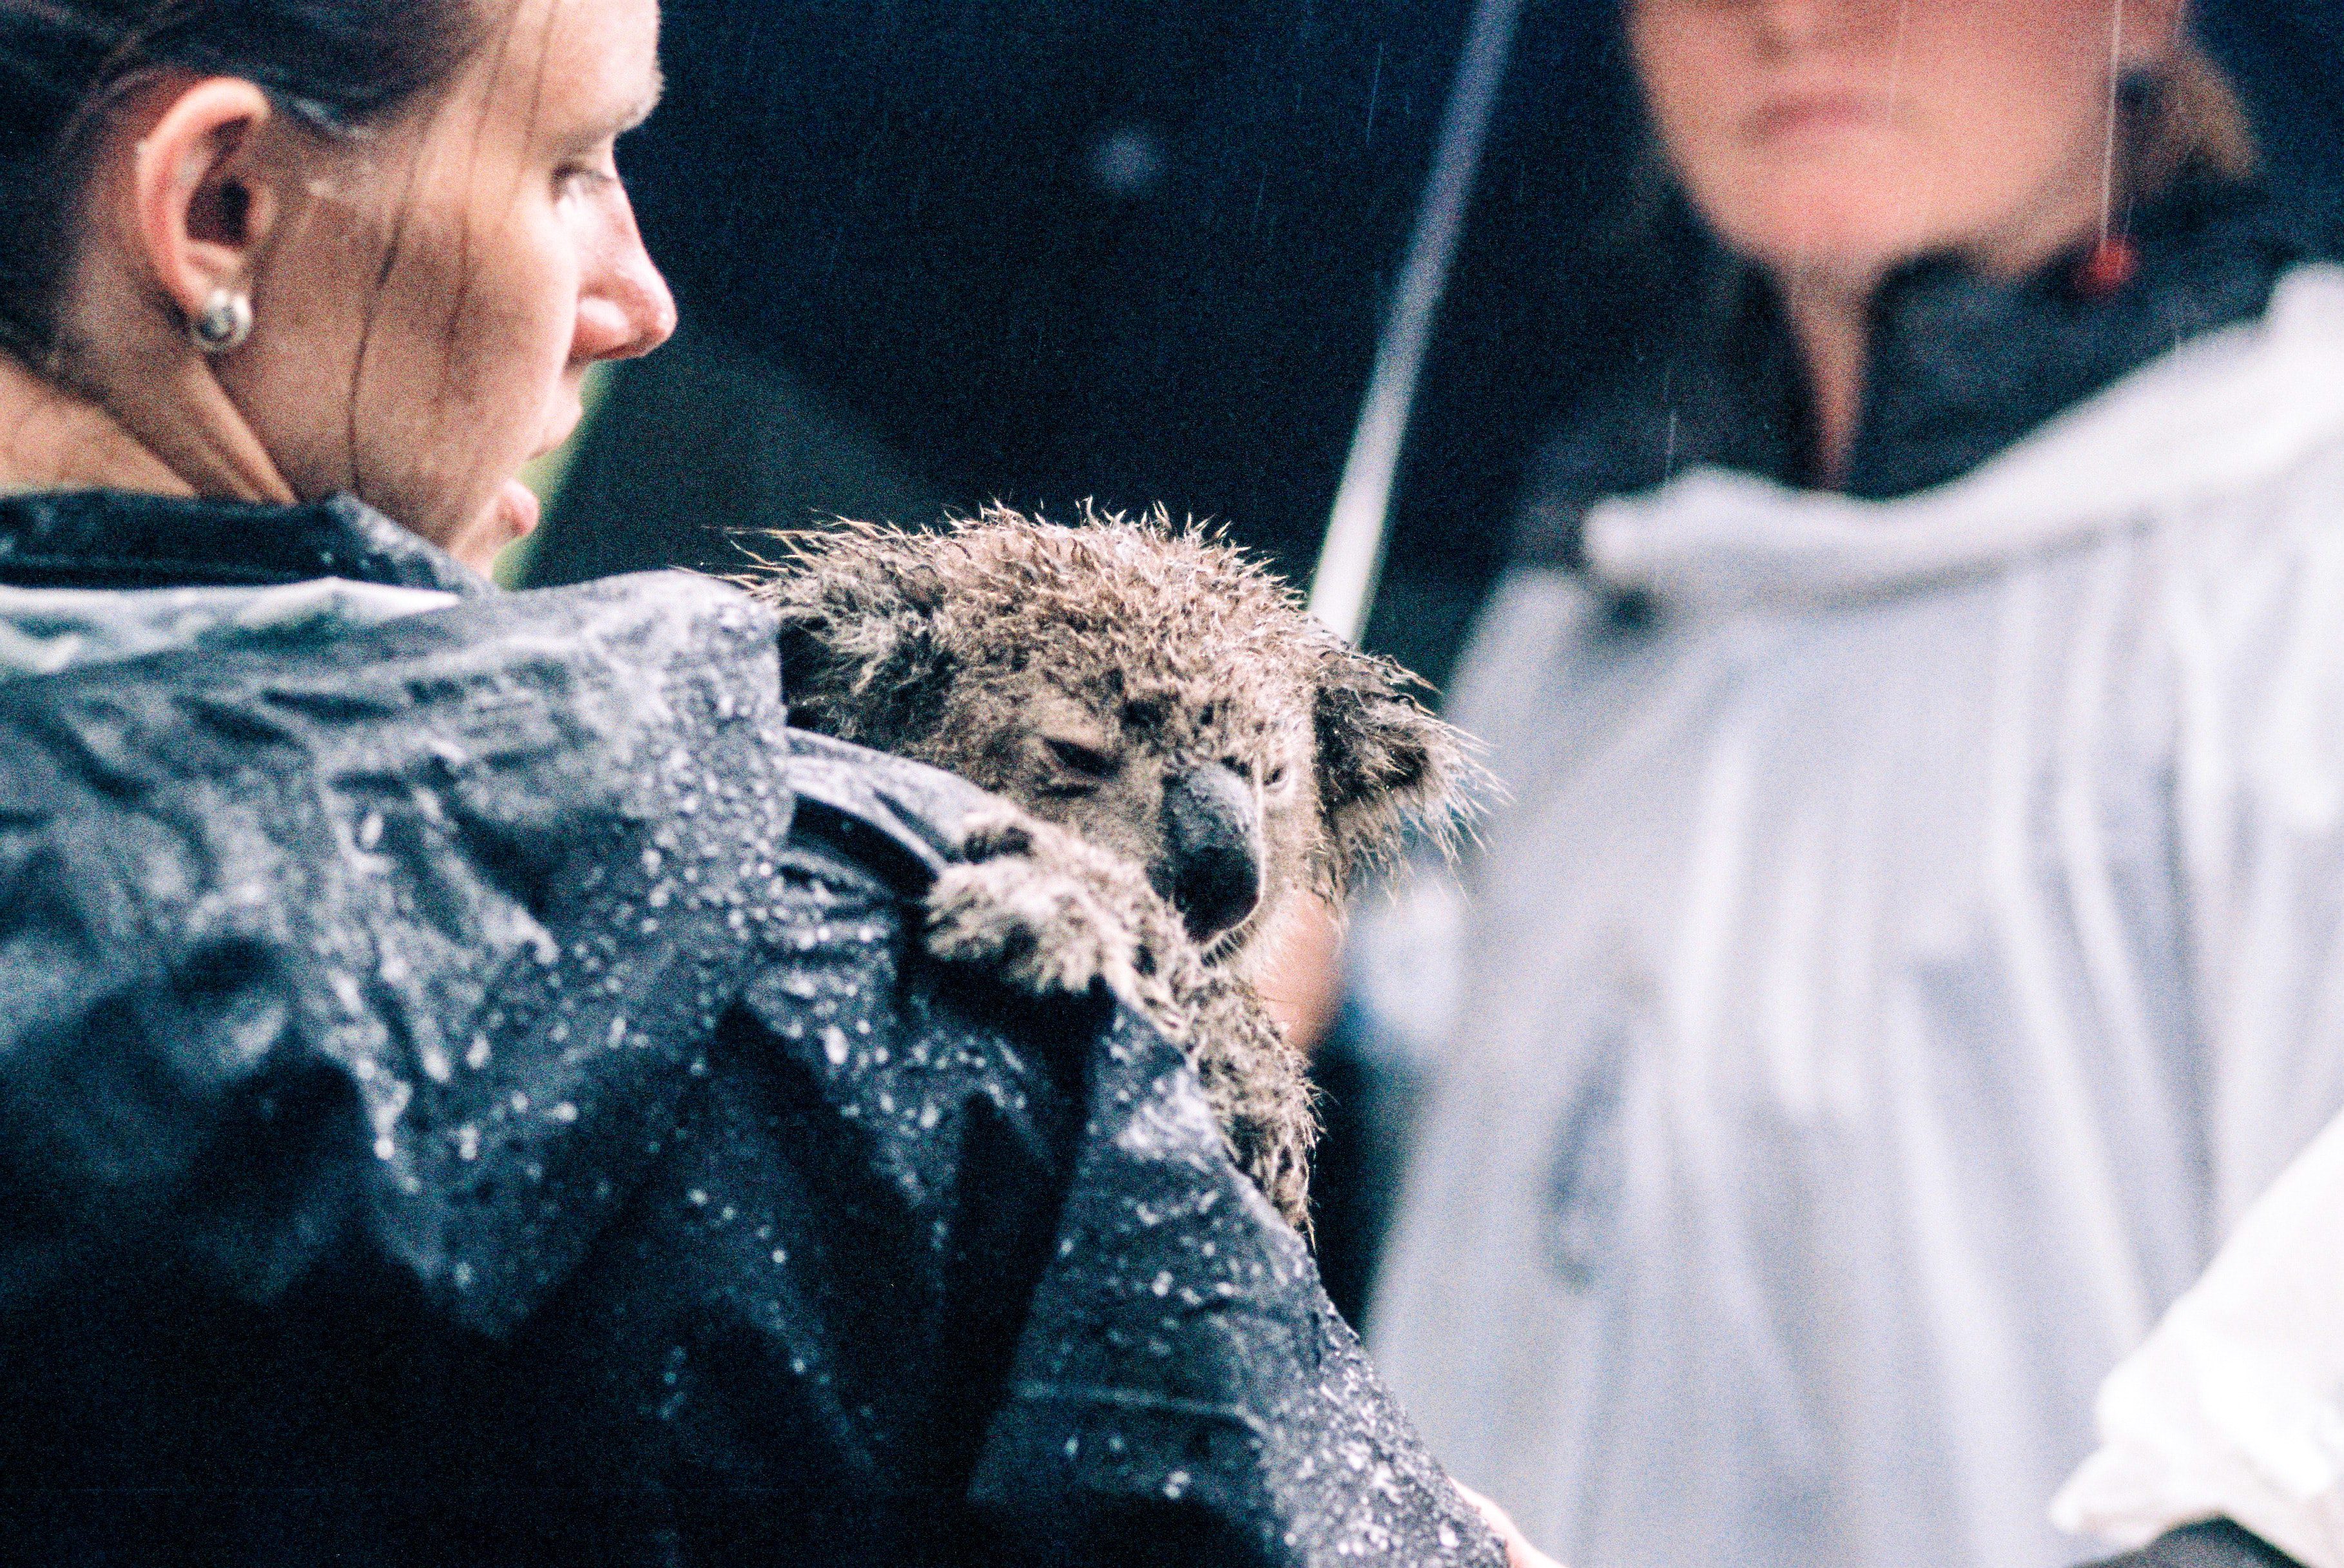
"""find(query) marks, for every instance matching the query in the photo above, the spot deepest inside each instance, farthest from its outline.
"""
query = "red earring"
(2107, 268)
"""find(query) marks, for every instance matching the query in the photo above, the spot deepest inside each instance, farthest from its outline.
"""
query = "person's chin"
(1816, 227)
(511, 512)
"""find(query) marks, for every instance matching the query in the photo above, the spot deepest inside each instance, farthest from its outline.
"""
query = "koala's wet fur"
(1217, 755)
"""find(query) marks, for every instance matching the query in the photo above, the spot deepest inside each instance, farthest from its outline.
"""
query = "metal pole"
(1344, 587)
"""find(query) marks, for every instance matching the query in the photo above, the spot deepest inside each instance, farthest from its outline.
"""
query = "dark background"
(1045, 251)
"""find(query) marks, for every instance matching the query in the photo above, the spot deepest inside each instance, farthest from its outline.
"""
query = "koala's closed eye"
(1082, 764)
(1270, 773)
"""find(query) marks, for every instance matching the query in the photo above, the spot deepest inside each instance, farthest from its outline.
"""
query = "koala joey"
(1184, 754)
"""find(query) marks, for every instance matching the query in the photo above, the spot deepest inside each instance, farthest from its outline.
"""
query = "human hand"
(1520, 1553)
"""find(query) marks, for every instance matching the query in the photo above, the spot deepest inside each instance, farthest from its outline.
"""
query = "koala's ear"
(860, 659)
(815, 672)
(1385, 763)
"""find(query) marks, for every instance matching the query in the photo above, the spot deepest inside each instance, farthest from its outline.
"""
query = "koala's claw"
(1051, 915)
(1036, 928)
(1040, 909)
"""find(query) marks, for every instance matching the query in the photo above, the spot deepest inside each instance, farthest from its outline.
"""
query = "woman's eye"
(1277, 777)
(1083, 760)
(583, 179)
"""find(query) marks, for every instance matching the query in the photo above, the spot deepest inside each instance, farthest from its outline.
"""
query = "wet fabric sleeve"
(1181, 1379)
(316, 947)
(973, 1281)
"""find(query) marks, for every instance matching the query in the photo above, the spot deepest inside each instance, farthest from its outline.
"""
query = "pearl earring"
(223, 322)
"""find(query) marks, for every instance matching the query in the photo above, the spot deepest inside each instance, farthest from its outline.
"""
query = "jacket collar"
(1961, 369)
(2204, 433)
(113, 540)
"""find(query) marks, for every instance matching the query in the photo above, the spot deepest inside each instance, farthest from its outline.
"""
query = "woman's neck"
(176, 431)
(54, 439)
(1829, 309)
(1832, 318)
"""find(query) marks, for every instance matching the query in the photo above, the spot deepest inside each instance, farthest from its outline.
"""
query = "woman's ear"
(204, 208)
(860, 659)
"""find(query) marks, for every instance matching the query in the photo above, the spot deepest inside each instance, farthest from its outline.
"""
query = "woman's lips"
(1813, 113)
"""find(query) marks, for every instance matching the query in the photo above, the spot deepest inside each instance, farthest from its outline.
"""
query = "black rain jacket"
(471, 1091)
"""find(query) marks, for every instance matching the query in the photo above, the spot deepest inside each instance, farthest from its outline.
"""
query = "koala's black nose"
(1211, 864)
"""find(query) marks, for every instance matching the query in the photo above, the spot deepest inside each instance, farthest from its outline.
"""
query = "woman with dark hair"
(470, 1086)
(1910, 940)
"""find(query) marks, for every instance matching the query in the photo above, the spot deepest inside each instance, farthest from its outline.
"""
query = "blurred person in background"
(1911, 938)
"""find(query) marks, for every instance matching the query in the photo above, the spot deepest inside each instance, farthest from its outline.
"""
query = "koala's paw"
(1029, 907)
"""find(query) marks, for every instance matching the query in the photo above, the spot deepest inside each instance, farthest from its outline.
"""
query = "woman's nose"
(1800, 22)
(626, 308)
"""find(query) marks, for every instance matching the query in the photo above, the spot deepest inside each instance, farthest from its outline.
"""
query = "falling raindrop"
(2108, 150)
